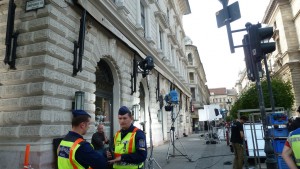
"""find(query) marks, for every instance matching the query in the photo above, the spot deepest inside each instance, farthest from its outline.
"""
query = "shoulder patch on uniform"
(142, 143)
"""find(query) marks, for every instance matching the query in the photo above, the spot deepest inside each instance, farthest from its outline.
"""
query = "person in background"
(73, 151)
(130, 148)
(293, 123)
(291, 149)
(99, 139)
(237, 140)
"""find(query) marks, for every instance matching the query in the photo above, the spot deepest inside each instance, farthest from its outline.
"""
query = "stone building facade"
(283, 16)
(37, 89)
(197, 82)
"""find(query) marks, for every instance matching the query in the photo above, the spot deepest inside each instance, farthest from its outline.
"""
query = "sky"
(220, 65)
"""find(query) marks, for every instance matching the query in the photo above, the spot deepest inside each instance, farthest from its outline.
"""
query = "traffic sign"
(233, 14)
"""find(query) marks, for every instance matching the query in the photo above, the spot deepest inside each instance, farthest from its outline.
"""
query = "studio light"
(172, 97)
(145, 66)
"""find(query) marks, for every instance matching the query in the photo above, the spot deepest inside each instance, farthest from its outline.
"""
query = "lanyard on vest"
(130, 141)
(79, 140)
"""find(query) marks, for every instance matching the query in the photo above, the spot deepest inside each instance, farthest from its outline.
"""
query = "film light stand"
(172, 140)
(151, 159)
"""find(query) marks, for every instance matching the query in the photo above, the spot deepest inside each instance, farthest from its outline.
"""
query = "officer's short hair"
(79, 119)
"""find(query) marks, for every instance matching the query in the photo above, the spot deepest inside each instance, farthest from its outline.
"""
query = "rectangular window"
(193, 94)
(168, 15)
(278, 47)
(191, 75)
(160, 39)
(143, 18)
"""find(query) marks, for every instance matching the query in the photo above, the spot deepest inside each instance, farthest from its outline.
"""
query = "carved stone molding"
(162, 18)
(123, 11)
(276, 35)
(140, 30)
(151, 42)
(173, 38)
(152, 1)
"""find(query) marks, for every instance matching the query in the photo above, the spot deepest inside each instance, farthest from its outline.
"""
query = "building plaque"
(34, 4)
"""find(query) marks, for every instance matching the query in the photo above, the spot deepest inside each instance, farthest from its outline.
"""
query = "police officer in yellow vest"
(291, 149)
(130, 149)
(76, 153)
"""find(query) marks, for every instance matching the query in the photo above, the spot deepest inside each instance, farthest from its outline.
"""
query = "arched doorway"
(104, 97)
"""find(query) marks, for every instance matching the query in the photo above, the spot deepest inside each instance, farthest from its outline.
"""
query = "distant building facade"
(223, 97)
(197, 82)
(243, 83)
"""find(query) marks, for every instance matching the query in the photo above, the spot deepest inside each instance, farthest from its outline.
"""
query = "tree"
(282, 93)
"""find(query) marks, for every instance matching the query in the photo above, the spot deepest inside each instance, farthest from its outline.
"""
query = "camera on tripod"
(171, 99)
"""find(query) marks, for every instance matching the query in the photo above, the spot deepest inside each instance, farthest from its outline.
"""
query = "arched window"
(190, 59)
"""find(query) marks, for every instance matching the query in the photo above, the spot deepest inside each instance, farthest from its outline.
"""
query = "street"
(202, 155)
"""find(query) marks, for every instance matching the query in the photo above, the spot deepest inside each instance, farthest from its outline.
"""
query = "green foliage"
(228, 118)
(282, 94)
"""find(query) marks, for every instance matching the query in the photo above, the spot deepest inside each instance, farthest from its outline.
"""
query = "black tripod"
(172, 141)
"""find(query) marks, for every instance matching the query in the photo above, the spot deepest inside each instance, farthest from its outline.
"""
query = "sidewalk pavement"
(199, 155)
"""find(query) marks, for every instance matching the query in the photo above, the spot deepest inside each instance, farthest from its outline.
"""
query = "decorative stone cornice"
(172, 4)
(173, 38)
(151, 42)
(152, 1)
(275, 35)
(123, 11)
(269, 12)
(180, 51)
(271, 9)
(161, 16)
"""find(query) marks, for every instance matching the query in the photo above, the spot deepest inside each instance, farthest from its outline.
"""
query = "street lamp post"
(227, 125)
(228, 104)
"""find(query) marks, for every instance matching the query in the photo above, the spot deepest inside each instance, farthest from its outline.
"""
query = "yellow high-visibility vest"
(66, 155)
(294, 141)
(125, 146)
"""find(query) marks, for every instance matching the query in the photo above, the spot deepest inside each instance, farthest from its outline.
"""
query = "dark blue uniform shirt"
(85, 154)
(140, 144)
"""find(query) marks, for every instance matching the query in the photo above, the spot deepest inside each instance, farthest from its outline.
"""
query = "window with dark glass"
(191, 75)
(160, 39)
(190, 59)
(143, 18)
(168, 15)
(193, 94)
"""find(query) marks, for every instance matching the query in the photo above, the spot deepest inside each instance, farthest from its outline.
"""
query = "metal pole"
(227, 23)
(269, 84)
(270, 160)
(173, 131)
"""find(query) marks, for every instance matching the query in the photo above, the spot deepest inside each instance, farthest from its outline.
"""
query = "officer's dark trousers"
(238, 156)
